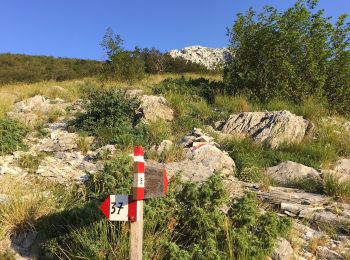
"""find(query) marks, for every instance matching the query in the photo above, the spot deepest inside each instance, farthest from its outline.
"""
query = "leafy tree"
(290, 55)
(122, 64)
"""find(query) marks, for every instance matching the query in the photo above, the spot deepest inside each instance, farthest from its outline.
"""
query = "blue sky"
(74, 28)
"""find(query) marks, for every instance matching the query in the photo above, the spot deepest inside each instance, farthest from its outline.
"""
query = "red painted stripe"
(138, 151)
(132, 209)
(139, 167)
(138, 193)
(165, 179)
(105, 207)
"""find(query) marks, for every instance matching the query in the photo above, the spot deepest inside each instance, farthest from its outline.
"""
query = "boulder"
(342, 168)
(197, 138)
(325, 253)
(155, 107)
(201, 163)
(59, 141)
(164, 146)
(34, 109)
(273, 128)
(287, 173)
(34, 104)
(316, 208)
(58, 170)
(283, 250)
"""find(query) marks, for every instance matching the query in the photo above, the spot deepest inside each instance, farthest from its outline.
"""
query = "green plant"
(232, 104)
(254, 234)
(54, 115)
(115, 177)
(124, 65)
(11, 136)
(111, 116)
(30, 162)
(290, 55)
(339, 189)
(83, 144)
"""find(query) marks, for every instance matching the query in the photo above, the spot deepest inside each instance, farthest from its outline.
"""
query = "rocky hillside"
(65, 157)
(211, 58)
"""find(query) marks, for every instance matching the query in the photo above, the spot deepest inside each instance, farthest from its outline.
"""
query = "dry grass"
(84, 144)
(70, 90)
(317, 241)
(26, 202)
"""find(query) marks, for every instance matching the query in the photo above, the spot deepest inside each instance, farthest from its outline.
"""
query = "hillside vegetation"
(259, 155)
(26, 68)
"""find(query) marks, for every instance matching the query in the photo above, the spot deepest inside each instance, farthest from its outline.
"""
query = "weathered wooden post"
(149, 182)
(136, 227)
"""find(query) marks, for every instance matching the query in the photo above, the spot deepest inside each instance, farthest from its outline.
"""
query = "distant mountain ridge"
(211, 58)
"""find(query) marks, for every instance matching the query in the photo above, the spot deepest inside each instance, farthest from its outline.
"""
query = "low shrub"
(115, 178)
(183, 225)
(83, 144)
(11, 136)
(336, 188)
(111, 116)
(30, 162)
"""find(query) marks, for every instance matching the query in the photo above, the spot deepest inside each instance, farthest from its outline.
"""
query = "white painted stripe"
(139, 208)
(139, 180)
(139, 158)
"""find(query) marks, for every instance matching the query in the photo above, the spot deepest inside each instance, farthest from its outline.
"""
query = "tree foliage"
(290, 55)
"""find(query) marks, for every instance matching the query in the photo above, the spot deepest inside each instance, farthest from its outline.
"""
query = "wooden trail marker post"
(149, 182)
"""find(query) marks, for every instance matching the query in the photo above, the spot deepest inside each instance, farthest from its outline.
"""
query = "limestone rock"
(211, 58)
(59, 141)
(316, 208)
(57, 170)
(133, 93)
(283, 250)
(325, 253)
(164, 146)
(274, 128)
(30, 111)
(342, 168)
(34, 104)
(23, 241)
(201, 163)
(287, 173)
(197, 138)
(154, 107)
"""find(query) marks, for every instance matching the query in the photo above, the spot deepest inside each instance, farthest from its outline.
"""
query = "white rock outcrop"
(201, 163)
(155, 107)
(273, 128)
(30, 111)
(211, 58)
(287, 173)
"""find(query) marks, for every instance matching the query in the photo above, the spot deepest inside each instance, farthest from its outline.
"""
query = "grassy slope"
(320, 150)
(28, 68)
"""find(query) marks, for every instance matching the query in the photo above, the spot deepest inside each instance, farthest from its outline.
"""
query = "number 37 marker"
(120, 208)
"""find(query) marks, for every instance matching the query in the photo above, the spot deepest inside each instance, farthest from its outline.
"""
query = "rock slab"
(273, 128)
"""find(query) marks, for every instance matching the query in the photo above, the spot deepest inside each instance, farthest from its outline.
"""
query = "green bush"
(186, 224)
(200, 87)
(111, 116)
(290, 55)
(11, 136)
(115, 178)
